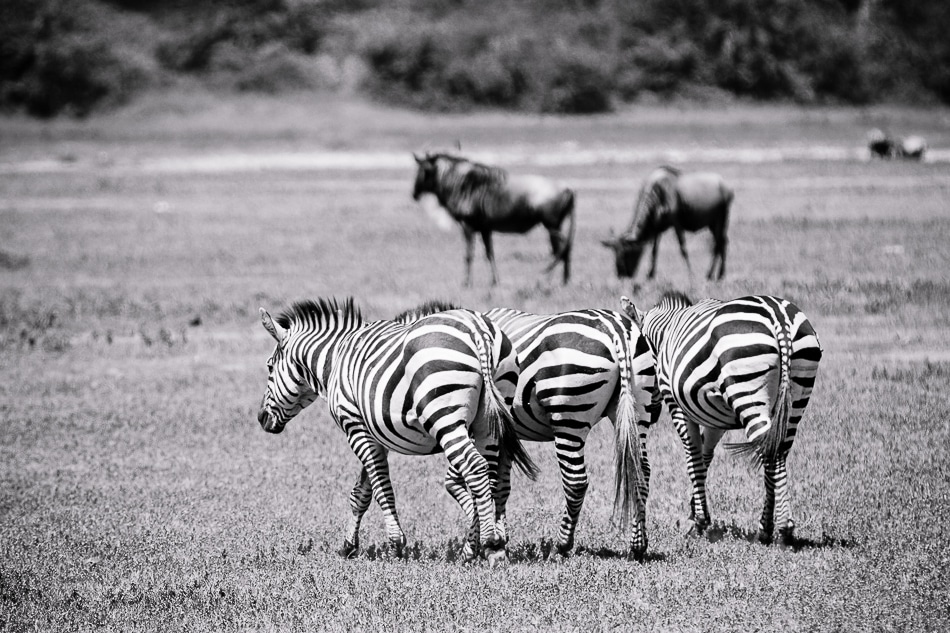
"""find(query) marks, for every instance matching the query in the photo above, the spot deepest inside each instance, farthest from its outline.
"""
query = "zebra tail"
(629, 479)
(769, 445)
(500, 422)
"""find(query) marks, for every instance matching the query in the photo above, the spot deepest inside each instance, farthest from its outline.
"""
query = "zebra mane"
(320, 310)
(673, 170)
(466, 176)
(674, 299)
(429, 307)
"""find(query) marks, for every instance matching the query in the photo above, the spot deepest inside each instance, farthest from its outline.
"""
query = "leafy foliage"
(53, 58)
(573, 56)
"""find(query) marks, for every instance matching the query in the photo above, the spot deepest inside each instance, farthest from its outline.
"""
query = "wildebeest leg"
(723, 241)
(716, 257)
(560, 251)
(719, 248)
(681, 237)
(469, 235)
(656, 250)
(490, 254)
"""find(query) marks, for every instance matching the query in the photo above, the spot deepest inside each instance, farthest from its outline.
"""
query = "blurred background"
(561, 56)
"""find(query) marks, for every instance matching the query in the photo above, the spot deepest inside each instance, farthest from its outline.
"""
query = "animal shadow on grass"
(718, 531)
(524, 552)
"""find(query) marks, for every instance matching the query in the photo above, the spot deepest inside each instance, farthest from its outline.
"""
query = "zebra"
(750, 364)
(575, 368)
(416, 388)
(483, 199)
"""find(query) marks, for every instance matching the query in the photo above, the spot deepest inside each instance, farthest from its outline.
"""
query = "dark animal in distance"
(484, 199)
(683, 201)
(883, 146)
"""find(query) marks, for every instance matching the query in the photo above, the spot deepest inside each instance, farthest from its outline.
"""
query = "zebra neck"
(315, 354)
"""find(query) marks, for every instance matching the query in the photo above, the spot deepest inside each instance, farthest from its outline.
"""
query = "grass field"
(137, 491)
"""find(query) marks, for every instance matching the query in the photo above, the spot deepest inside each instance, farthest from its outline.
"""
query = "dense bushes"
(54, 58)
(575, 56)
(570, 61)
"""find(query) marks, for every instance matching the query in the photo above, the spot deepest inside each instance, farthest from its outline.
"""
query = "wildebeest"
(883, 146)
(683, 201)
(484, 199)
(880, 144)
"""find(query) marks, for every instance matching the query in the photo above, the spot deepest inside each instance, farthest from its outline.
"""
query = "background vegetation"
(576, 56)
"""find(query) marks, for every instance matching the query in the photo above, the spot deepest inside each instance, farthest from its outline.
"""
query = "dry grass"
(137, 491)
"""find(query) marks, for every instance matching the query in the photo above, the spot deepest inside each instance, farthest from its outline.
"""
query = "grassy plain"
(137, 491)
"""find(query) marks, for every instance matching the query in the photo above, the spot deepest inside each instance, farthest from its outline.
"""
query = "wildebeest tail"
(500, 422)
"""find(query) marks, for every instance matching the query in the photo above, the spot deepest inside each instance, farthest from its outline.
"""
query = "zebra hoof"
(765, 538)
(349, 550)
(469, 554)
(637, 552)
(496, 558)
(786, 538)
(695, 528)
(564, 549)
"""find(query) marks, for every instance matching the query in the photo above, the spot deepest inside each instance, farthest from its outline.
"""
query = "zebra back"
(498, 365)
(685, 335)
(567, 331)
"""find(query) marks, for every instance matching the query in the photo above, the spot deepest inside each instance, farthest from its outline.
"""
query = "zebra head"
(288, 390)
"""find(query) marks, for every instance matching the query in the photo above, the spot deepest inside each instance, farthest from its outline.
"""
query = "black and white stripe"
(749, 364)
(575, 368)
(415, 388)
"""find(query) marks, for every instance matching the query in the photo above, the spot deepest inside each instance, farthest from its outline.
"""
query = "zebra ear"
(270, 326)
(631, 311)
(419, 161)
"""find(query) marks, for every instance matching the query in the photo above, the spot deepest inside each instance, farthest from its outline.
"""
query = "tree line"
(564, 56)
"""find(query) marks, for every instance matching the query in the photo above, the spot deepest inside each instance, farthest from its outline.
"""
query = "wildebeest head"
(627, 253)
(426, 176)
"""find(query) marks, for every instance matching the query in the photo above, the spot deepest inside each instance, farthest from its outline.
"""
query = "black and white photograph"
(474, 315)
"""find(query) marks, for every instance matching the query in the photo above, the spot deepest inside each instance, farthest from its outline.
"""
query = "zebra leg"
(570, 459)
(455, 486)
(490, 254)
(375, 460)
(695, 467)
(360, 499)
(711, 439)
(465, 458)
(502, 492)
